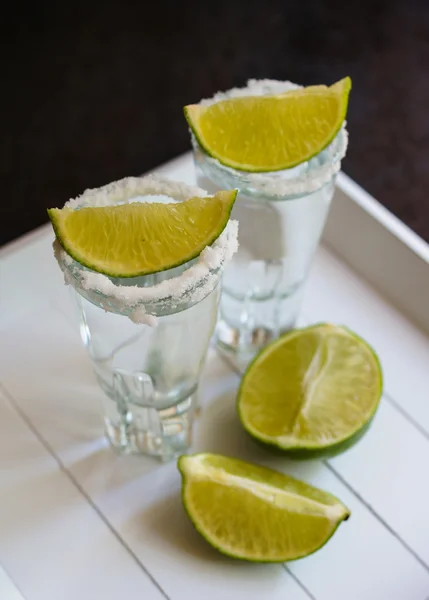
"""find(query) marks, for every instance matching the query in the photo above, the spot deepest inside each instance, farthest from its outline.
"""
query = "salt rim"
(128, 188)
(192, 285)
(273, 184)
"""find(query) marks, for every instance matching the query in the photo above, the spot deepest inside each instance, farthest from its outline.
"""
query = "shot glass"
(281, 217)
(147, 337)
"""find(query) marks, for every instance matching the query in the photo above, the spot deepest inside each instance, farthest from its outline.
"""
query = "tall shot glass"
(281, 217)
(147, 337)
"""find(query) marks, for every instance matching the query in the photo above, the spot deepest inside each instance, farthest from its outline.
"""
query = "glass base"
(245, 328)
(163, 434)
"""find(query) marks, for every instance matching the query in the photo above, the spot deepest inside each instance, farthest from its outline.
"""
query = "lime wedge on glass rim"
(312, 392)
(270, 133)
(254, 513)
(139, 238)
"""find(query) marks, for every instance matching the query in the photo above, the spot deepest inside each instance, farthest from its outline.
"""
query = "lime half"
(139, 238)
(311, 392)
(270, 133)
(254, 513)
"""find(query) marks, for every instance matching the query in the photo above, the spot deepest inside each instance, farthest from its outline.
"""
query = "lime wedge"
(139, 238)
(270, 133)
(312, 392)
(254, 513)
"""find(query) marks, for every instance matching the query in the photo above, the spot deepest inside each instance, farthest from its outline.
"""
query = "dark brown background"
(92, 92)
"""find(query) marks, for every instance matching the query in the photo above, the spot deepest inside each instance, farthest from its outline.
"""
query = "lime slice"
(254, 513)
(270, 133)
(139, 238)
(311, 392)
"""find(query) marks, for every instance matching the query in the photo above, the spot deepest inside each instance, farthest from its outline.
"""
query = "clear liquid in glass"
(263, 284)
(149, 375)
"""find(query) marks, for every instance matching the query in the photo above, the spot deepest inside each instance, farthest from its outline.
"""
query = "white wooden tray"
(79, 522)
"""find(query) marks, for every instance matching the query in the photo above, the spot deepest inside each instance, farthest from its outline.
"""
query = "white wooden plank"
(28, 275)
(141, 498)
(385, 468)
(8, 590)
(334, 293)
(138, 496)
(180, 168)
(146, 510)
(52, 542)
